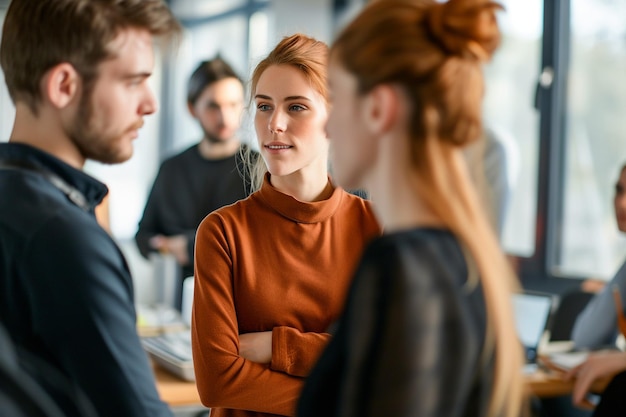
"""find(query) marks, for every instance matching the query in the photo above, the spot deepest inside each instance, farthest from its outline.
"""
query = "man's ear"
(382, 108)
(61, 85)
(192, 110)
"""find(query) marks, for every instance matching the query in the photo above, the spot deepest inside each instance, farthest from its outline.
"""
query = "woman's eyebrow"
(289, 98)
(292, 98)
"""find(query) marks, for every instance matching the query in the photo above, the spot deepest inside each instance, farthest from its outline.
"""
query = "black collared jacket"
(66, 293)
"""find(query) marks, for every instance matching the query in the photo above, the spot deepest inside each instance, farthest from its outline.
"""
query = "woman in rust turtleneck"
(272, 271)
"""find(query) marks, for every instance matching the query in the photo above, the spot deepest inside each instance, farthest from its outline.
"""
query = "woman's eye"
(296, 107)
(263, 107)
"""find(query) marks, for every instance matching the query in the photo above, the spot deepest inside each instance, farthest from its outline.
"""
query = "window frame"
(538, 272)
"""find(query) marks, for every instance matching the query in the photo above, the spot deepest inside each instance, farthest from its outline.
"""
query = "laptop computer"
(532, 312)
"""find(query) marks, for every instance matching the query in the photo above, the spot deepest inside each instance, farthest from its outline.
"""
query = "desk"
(544, 384)
(175, 391)
(179, 393)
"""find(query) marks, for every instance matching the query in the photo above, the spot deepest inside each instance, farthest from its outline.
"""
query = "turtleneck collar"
(300, 211)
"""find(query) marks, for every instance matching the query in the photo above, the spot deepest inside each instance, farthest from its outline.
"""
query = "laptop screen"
(532, 312)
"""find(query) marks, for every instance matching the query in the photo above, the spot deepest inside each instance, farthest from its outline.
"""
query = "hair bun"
(465, 28)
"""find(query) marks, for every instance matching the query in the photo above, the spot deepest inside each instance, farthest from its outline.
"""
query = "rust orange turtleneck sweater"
(271, 262)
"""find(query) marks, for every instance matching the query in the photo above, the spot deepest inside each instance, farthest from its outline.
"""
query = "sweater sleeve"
(597, 323)
(294, 352)
(224, 378)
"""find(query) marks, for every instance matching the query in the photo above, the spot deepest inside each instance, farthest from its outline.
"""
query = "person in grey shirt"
(596, 325)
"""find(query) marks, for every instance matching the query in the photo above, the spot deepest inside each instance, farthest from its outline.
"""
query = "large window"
(509, 111)
(595, 137)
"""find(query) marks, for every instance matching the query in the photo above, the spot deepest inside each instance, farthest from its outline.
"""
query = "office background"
(555, 96)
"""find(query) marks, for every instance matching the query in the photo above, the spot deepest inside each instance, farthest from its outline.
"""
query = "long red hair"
(434, 51)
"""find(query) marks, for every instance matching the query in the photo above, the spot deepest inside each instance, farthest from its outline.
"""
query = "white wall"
(312, 17)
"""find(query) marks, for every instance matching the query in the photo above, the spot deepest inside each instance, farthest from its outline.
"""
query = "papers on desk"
(166, 338)
(158, 319)
(530, 368)
(173, 352)
(559, 356)
(567, 360)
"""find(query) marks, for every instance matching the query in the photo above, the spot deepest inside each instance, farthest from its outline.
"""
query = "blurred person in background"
(596, 326)
(205, 176)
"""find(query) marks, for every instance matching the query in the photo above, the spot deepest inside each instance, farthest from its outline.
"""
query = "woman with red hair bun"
(428, 328)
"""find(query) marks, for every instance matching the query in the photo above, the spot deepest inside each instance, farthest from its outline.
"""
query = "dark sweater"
(186, 189)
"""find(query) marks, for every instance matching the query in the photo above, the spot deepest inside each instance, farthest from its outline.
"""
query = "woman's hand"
(256, 347)
(598, 365)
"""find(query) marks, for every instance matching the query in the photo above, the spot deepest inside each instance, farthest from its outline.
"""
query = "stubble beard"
(215, 139)
(91, 143)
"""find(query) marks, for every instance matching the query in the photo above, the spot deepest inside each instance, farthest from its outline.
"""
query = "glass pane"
(509, 112)
(596, 138)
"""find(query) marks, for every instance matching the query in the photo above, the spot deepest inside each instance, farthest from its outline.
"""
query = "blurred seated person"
(594, 285)
(600, 365)
(596, 325)
(202, 178)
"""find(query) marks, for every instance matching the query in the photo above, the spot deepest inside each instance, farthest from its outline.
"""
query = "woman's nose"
(277, 122)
